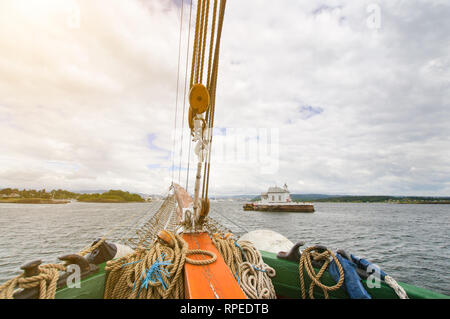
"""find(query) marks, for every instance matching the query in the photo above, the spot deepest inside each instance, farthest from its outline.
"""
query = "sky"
(337, 97)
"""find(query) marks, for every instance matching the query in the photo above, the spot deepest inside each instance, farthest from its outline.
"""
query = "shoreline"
(109, 201)
(41, 201)
(33, 201)
(392, 203)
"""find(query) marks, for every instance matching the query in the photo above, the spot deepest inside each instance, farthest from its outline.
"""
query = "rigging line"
(176, 95)
(138, 221)
(189, 164)
(212, 88)
(208, 153)
(185, 88)
(211, 45)
(195, 48)
(210, 116)
(204, 40)
(191, 84)
(231, 221)
(119, 225)
(199, 77)
(214, 81)
(200, 41)
(208, 79)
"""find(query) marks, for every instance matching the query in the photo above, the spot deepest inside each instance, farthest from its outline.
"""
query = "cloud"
(359, 111)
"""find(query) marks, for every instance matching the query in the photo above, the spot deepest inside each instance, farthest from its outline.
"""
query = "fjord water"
(409, 242)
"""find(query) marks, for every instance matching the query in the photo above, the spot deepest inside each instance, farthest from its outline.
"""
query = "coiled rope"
(144, 274)
(306, 264)
(127, 276)
(252, 274)
(46, 280)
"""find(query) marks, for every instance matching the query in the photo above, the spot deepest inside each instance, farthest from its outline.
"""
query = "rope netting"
(163, 218)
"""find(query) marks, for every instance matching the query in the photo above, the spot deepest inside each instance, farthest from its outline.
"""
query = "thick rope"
(203, 44)
(306, 264)
(391, 282)
(46, 280)
(211, 45)
(144, 275)
(91, 248)
(212, 92)
(201, 261)
(126, 275)
(252, 274)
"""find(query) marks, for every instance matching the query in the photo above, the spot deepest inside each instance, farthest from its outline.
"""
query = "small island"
(16, 196)
(112, 196)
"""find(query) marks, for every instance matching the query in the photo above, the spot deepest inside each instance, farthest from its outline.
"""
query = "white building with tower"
(276, 195)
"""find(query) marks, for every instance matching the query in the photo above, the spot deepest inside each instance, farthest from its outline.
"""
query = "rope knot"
(317, 256)
(258, 269)
(155, 274)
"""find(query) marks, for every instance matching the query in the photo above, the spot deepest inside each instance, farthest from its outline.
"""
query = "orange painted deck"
(213, 281)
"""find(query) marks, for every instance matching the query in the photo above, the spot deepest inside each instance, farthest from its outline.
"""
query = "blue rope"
(256, 268)
(242, 250)
(134, 262)
(155, 274)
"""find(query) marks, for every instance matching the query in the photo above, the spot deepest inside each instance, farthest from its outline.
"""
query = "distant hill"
(366, 199)
(311, 197)
(235, 197)
(98, 191)
(304, 197)
(378, 199)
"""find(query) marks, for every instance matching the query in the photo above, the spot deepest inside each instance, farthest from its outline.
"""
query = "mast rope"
(212, 92)
(205, 18)
(203, 100)
(195, 46)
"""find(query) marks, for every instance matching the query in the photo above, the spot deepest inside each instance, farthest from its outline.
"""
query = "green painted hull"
(91, 287)
(286, 283)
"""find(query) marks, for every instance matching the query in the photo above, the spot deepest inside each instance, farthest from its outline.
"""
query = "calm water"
(410, 242)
